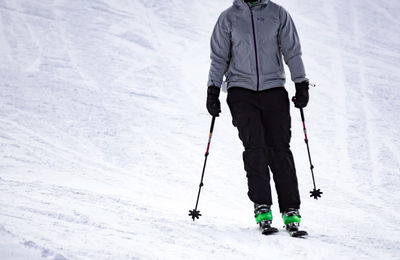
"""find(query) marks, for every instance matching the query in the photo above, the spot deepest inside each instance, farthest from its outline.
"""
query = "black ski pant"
(263, 121)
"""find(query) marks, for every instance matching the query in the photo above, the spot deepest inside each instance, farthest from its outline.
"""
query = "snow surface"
(103, 129)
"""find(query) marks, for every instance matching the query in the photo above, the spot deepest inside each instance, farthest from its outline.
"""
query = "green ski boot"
(292, 219)
(263, 215)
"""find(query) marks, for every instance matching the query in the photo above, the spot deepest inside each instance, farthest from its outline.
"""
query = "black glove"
(301, 98)
(213, 104)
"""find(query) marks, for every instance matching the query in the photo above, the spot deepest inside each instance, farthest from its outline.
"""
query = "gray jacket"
(247, 46)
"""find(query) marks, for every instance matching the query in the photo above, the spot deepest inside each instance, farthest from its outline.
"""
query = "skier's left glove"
(301, 98)
(213, 104)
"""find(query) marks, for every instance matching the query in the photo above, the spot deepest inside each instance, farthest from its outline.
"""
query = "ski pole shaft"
(316, 193)
(308, 147)
(205, 160)
(195, 213)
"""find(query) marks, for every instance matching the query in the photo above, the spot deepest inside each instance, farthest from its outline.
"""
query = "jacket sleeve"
(220, 51)
(290, 46)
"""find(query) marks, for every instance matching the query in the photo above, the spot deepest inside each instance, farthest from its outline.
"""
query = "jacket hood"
(242, 3)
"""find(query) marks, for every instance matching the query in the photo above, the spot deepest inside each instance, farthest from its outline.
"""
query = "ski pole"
(316, 193)
(196, 213)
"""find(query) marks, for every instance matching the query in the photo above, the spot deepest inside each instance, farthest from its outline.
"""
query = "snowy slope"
(103, 129)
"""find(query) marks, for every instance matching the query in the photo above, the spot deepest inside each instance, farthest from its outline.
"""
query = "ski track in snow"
(103, 129)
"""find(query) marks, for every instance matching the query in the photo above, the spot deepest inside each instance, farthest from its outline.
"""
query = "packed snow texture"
(103, 129)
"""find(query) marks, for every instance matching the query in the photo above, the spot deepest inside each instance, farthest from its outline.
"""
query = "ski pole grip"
(301, 110)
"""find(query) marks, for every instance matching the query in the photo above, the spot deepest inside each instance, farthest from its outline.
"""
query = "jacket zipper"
(255, 48)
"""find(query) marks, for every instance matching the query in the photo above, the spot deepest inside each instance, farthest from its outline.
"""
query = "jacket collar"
(242, 3)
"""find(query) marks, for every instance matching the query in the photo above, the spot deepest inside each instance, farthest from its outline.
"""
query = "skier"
(247, 45)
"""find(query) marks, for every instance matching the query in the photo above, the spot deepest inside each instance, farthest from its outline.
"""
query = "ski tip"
(269, 231)
(299, 233)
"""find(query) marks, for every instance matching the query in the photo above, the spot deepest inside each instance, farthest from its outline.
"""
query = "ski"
(298, 233)
(266, 229)
(269, 230)
(294, 231)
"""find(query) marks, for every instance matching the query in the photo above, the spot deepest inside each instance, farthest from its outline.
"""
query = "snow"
(103, 129)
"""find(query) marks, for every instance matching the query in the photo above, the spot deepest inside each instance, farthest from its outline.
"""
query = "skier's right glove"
(301, 98)
(213, 104)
